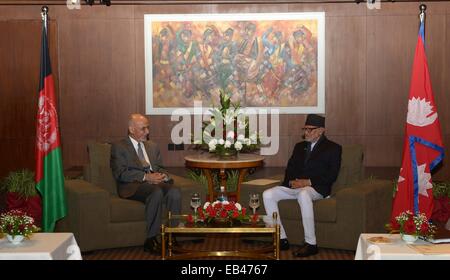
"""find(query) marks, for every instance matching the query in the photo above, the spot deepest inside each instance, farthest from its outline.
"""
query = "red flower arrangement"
(16, 222)
(410, 224)
(222, 211)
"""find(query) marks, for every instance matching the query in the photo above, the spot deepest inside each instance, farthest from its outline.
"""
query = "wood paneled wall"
(100, 68)
(20, 47)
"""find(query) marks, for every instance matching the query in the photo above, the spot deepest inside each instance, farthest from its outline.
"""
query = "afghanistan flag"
(422, 148)
(49, 168)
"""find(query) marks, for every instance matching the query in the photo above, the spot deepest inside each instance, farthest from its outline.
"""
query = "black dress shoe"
(152, 245)
(284, 244)
(306, 251)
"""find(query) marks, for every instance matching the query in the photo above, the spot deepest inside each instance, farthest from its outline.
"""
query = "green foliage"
(225, 101)
(232, 179)
(395, 187)
(21, 182)
(441, 189)
(196, 175)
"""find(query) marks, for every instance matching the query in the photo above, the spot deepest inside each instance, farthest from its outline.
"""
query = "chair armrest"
(366, 205)
(88, 212)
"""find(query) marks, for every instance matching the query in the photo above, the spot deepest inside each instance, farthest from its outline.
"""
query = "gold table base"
(261, 253)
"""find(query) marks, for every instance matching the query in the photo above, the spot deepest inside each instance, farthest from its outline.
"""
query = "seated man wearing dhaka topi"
(136, 164)
(310, 173)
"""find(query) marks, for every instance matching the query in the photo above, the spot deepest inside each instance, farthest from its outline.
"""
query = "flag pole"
(44, 15)
(422, 8)
(49, 166)
(422, 16)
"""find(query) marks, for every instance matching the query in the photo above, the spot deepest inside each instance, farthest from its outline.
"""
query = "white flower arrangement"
(240, 139)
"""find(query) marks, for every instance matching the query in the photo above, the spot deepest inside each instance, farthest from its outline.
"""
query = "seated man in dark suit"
(311, 170)
(137, 167)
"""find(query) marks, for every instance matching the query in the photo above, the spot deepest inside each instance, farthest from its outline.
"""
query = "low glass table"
(271, 252)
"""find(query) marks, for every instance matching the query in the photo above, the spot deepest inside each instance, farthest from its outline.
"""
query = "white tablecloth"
(42, 246)
(397, 250)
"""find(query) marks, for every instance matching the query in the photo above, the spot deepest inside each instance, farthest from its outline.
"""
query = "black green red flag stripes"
(49, 167)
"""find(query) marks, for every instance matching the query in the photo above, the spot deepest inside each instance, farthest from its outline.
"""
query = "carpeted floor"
(215, 243)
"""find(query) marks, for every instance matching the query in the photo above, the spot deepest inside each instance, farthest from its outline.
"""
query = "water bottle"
(222, 195)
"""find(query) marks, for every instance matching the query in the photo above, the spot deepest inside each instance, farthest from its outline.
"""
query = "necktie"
(141, 156)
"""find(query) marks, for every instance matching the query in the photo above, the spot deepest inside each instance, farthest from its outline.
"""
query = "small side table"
(208, 161)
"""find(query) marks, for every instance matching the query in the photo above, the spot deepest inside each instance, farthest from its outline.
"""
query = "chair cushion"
(126, 210)
(324, 210)
(100, 170)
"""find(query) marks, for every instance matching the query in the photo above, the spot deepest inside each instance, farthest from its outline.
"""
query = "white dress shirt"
(135, 145)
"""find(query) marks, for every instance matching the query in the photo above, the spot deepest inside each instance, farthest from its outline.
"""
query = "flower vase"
(409, 239)
(15, 239)
(226, 154)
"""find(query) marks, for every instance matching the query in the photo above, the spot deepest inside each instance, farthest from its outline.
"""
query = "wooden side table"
(207, 162)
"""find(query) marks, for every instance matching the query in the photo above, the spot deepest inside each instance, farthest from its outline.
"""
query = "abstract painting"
(264, 61)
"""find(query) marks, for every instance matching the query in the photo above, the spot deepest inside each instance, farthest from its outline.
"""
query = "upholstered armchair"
(356, 205)
(98, 217)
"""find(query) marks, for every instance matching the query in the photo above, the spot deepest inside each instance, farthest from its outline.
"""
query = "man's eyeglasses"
(309, 129)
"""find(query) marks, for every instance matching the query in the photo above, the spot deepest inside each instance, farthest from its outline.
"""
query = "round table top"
(210, 160)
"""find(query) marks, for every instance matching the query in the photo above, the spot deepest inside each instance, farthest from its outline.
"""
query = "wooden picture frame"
(265, 60)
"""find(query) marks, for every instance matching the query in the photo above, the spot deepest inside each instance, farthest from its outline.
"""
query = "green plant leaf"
(21, 182)
(232, 179)
(441, 189)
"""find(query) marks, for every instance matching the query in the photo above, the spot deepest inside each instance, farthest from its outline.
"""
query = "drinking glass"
(254, 201)
(195, 203)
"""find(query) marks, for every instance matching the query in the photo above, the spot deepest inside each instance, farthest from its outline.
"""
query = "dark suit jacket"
(127, 168)
(321, 168)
